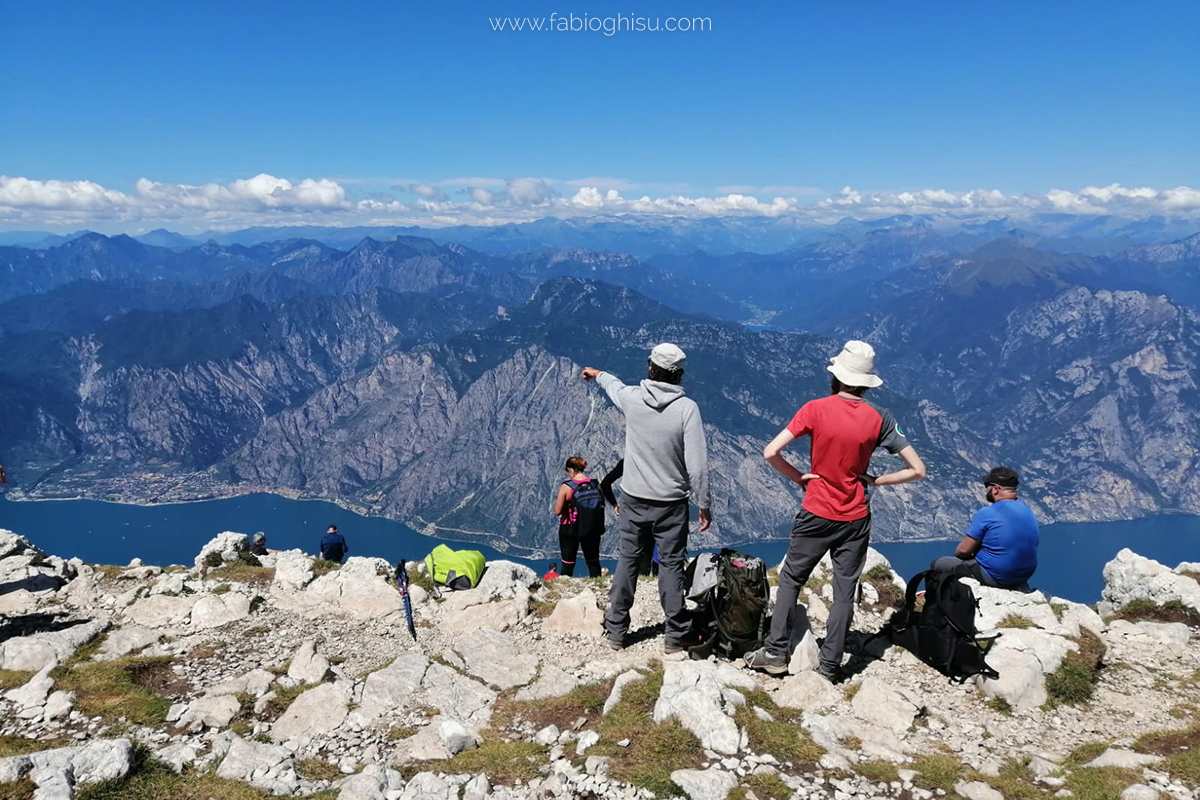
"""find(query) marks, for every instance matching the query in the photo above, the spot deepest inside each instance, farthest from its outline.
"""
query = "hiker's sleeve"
(606, 485)
(695, 457)
(890, 436)
(979, 525)
(612, 385)
(801, 424)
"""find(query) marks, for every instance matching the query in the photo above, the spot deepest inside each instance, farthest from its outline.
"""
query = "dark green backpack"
(731, 619)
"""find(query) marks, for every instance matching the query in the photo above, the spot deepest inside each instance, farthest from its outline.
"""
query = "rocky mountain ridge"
(284, 676)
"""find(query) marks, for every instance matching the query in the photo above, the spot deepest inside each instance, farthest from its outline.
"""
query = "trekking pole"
(402, 584)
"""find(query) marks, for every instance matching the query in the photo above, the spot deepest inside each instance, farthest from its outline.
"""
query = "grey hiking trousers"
(812, 538)
(644, 523)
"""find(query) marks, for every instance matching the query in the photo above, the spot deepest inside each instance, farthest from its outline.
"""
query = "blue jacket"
(330, 544)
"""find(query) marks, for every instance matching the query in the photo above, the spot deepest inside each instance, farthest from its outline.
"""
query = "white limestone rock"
(697, 693)
(704, 784)
(215, 610)
(878, 702)
(309, 666)
(494, 658)
(264, 766)
(227, 544)
(1130, 577)
(32, 653)
(809, 691)
(580, 615)
(317, 711)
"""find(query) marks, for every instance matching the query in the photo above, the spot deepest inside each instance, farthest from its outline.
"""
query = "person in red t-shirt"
(553, 573)
(844, 430)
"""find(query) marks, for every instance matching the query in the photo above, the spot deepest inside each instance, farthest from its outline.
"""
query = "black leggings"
(570, 543)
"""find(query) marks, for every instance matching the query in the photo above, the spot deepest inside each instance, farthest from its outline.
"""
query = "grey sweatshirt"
(666, 455)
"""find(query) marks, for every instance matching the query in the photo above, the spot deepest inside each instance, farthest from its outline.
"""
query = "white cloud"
(425, 190)
(773, 191)
(269, 200)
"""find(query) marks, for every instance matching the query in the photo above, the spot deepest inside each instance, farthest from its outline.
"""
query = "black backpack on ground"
(942, 631)
(731, 618)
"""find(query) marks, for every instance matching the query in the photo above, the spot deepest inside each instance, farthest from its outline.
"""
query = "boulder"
(126, 640)
(880, 703)
(495, 659)
(375, 782)
(317, 711)
(227, 544)
(1023, 657)
(264, 766)
(32, 653)
(1169, 633)
(580, 614)
(504, 580)
(697, 693)
(809, 691)
(1125, 759)
(35, 691)
(704, 784)
(428, 786)
(25, 567)
(177, 755)
(976, 790)
(1140, 791)
(215, 610)
(210, 712)
(412, 681)
(806, 654)
(57, 772)
(256, 683)
(359, 589)
(58, 705)
(499, 615)
(457, 696)
(308, 666)
(161, 610)
(293, 572)
(1131, 577)
(551, 682)
(393, 687)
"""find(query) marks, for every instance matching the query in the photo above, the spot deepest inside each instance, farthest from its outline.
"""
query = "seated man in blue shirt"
(333, 546)
(1000, 548)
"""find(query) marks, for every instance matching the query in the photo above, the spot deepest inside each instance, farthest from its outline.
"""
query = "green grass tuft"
(12, 678)
(314, 769)
(502, 762)
(1171, 611)
(126, 687)
(1074, 681)
(1015, 621)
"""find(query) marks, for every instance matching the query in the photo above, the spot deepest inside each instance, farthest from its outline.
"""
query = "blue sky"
(795, 99)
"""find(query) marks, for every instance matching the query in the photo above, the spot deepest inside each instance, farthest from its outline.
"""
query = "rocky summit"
(240, 677)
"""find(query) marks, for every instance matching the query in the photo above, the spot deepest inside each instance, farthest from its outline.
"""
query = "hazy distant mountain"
(161, 237)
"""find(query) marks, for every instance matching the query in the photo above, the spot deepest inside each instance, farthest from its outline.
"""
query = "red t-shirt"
(844, 435)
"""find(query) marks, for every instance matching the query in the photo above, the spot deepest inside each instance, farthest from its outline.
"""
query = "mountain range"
(438, 384)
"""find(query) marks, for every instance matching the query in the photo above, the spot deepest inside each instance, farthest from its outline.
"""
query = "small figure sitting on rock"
(333, 545)
(552, 573)
(258, 545)
(1000, 547)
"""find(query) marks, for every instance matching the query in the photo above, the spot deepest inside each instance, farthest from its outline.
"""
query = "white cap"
(855, 365)
(667, 356)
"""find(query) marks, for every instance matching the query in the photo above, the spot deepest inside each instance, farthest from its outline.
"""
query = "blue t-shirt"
(1008, 531)
(334, 547)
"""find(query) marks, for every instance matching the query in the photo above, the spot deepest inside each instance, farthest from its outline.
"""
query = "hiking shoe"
(614, 644)
(687, 642)
(831, 674)
(763, 661)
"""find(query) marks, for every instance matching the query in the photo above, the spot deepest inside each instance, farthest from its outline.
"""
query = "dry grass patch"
(12, 678)
(21, 790)
(314, 769)
(132, 688)
(764, 787)
(582, 701)
(1171, 611)
(890, 595)
(240, 572)
(1181, 750)
(782, 737)
(20, 746)
(502, 762)
(1100, 783)
(1015, 621)
(284, 697)
(1074, 681)
(322, 566)
(938, 771)
(150, 779)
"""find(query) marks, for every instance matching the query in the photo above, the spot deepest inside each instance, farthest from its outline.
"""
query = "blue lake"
(1072, 555)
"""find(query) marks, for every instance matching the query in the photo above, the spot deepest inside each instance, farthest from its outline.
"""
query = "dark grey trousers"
(643, 524)
(963, 568)
(812, 538)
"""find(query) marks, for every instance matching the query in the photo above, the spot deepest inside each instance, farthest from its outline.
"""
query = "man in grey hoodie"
(666, 463)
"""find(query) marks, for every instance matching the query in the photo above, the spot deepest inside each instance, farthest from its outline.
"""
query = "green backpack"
(457, 569)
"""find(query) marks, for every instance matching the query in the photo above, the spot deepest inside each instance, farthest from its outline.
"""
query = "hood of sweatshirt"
(659, 395)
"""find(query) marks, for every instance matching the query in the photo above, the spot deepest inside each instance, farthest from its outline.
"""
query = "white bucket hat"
(668, 356)
(855, 365)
